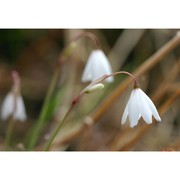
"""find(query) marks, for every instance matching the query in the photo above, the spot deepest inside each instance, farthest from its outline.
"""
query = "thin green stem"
(15, 91)
(74, 102)
(9, 133)
(58, 128)
(42, 116)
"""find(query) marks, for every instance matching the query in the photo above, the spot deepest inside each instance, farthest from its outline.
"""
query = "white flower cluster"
(139, 104)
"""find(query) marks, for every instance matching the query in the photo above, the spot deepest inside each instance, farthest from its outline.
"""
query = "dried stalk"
(123, 46)
(166, 84)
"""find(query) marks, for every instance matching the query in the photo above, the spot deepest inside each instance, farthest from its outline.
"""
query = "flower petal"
(133, 109)
(144, 108)
(7, 106)
(97, 69)
(105, 65)
(125, 114)
(97, 66)
(20, 113)
(87, 73)
(151, 106)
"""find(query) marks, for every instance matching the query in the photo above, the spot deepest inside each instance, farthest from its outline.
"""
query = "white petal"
(105, 65)
(87, 73)
(20, 113)
(97, 66)
(125, 114)
(7, 106)
(144, 108)
(151, 106)
(97, 69)
(133, 109)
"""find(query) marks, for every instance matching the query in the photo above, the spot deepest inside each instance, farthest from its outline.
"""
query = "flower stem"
(50, 141)
(57, 129)
(129, 74)
(102, 78)
(15, 91)
(89, 35)
(9, 133)
(42, 116)
(76, 100)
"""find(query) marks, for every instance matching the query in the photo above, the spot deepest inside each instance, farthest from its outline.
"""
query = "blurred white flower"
(97, 66)
(139, 104)
(14, 108)
(13, 105)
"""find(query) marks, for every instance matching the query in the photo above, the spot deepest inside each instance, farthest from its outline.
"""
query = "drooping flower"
(13, 105)
(8, 108)
(97, 66)
(139, 104)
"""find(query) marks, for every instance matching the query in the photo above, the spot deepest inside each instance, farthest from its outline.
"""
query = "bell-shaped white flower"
(139, 104)
(13, 105)
(97, 66)
(14, 108)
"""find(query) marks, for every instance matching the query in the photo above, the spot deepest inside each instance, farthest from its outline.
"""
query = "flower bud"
(93, 88)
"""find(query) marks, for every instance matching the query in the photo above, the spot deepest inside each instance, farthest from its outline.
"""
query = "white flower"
(97, 66)
(8, 108)
(139, 104)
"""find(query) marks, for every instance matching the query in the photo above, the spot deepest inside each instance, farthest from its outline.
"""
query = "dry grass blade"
(167, 83)
(124, 45)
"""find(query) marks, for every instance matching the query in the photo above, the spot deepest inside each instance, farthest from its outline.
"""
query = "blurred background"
(34, 53)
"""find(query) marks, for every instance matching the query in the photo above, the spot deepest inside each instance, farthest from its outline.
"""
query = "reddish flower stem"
(77, 99)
